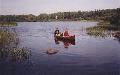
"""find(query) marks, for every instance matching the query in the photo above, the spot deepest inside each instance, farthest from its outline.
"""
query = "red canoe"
(69, 38)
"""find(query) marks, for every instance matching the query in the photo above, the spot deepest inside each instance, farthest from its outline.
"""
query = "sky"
(36, 7)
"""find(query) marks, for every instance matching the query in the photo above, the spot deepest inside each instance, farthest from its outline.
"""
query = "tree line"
(111, 15)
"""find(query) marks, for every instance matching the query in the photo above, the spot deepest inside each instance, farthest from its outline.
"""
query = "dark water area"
(87, 56)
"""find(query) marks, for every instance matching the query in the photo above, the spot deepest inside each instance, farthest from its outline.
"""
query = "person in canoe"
(57, 32)
(66, 33)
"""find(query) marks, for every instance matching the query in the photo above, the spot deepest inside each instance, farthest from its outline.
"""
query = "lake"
(88, 55)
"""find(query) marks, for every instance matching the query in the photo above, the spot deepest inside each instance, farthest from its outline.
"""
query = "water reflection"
(66, 43)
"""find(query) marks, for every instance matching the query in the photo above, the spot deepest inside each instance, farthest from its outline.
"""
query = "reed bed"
(103, 29)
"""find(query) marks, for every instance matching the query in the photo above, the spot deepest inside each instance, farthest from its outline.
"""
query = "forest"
(110, 15)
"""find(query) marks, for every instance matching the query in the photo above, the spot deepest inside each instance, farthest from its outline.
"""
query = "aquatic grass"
(9, 47)
(15, 54)
(103, 29)
(6, 38)
(97, 33)
(8, 24)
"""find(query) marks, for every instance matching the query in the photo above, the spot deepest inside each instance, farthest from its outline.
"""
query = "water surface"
(89, 56)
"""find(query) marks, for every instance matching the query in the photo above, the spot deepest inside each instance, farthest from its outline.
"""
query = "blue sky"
(50, 6)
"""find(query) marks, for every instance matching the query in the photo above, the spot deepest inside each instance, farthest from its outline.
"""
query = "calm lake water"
(88, 56)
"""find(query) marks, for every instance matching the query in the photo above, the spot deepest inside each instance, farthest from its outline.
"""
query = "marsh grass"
(6, 38)
(9, 47)
(15, 54)
(103, 29)
(8, 24)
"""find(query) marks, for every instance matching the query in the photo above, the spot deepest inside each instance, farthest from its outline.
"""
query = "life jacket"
(66, 33)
